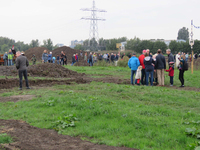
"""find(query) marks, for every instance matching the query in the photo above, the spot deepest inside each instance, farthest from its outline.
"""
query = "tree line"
(6, 44)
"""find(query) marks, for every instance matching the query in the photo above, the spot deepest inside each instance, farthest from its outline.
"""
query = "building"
(167, 42)
(76, 42)
(59, 45)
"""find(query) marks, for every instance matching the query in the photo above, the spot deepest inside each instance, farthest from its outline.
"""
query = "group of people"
(148, 67)
(9, 57)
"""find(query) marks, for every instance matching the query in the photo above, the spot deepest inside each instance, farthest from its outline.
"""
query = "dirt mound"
(27, 137)
(37, 51)
(69, 52)
(41, 70)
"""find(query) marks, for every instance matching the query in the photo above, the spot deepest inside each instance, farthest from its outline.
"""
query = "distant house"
(76, 42)
(59, 45)
(167, 42)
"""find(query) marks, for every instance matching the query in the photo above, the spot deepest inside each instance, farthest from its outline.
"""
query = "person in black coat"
(73, 60)
(170, 56)
(149, 68)
(160, 65)
(112, 58)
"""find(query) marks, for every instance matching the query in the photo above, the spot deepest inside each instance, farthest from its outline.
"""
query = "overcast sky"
(60, 20)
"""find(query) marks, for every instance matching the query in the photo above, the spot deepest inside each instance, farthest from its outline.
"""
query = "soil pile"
(42, 70)
(69, 52)
(37, 51)
(27, 137)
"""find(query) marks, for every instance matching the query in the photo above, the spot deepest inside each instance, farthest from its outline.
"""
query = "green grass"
(191, 80)
(4, 138)
(119, 115)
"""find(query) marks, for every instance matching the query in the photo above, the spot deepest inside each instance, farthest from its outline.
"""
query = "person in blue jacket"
(50, 57)
(45, 56)
(133, 64)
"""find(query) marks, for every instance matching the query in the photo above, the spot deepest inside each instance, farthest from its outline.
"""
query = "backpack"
(185, 67)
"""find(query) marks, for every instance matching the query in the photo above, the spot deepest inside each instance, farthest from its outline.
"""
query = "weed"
(4, 138)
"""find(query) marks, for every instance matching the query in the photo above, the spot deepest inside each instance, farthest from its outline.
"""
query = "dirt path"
(27, 137)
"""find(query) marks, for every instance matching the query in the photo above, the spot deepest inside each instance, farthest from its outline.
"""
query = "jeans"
(143, 79)
(73, 63)
(147, 78)
(181, 76)
(90, 62)
(58, 62)
(5, 62)
(9, 62)
(171, 80)
(132, 74)
(21, 73)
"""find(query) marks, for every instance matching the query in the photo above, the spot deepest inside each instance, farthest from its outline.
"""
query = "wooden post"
(192, 63)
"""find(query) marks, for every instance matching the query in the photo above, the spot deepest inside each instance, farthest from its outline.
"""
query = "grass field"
(147, 118)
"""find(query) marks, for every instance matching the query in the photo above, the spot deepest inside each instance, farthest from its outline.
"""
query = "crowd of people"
(152, 67)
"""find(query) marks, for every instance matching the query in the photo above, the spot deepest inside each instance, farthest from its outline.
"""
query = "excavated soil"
(27, 137)
(37, 51)
(41, 70)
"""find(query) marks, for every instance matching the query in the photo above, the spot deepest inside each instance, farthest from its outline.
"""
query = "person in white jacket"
(138, 75)
(177, 59)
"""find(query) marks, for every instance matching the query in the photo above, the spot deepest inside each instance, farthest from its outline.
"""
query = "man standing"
(91, 59)
(160, 65)
(62, 58)
(5, 59)
(133, 64)
(141, 59)
(112, 58)
(22, 64)
(10, 57)
(170, 56)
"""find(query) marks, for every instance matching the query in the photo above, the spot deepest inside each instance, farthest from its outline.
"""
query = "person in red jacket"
(171, 72)
(141, 59)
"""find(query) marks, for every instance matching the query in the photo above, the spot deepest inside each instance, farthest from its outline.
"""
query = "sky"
(60, 20)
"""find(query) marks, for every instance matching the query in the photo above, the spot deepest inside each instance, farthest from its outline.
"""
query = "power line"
(93, 34)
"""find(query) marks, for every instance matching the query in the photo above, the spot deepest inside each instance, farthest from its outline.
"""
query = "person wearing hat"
(33, 59)
(171, 72)
(133, 64)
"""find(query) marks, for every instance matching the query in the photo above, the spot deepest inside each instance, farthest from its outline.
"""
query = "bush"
(102, 63)
(123, 62)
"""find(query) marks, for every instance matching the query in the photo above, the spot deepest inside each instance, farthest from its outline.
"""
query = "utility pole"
(191, 42)
(93, 35)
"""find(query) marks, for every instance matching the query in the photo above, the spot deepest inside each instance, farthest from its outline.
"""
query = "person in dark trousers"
(133, 64)
(112, 58)
(65, 59)
(58, 58)
(181, 70)
(62, 58)
(129, 55)
(141, 59)
(149, 68)
(5, 59)
(171, 73)
(73, 60)
(91, 59)
(160, 66)
(22, 64)
(170, 56)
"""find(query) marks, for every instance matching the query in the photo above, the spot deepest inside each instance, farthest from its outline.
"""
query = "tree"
(34, 43)
(158, 45)
(174, 46)
(48, 44)
(183, 34)
(133, 43)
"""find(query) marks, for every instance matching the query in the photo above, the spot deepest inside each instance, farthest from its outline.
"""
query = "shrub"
(123, 62)
(102, 63)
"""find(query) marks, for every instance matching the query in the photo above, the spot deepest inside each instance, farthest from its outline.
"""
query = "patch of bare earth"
(16, 98)
(27, 137)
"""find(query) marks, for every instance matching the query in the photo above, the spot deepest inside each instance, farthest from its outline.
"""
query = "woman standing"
(85, 57)
(149, 69)
(181, 69)
(45, 56)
